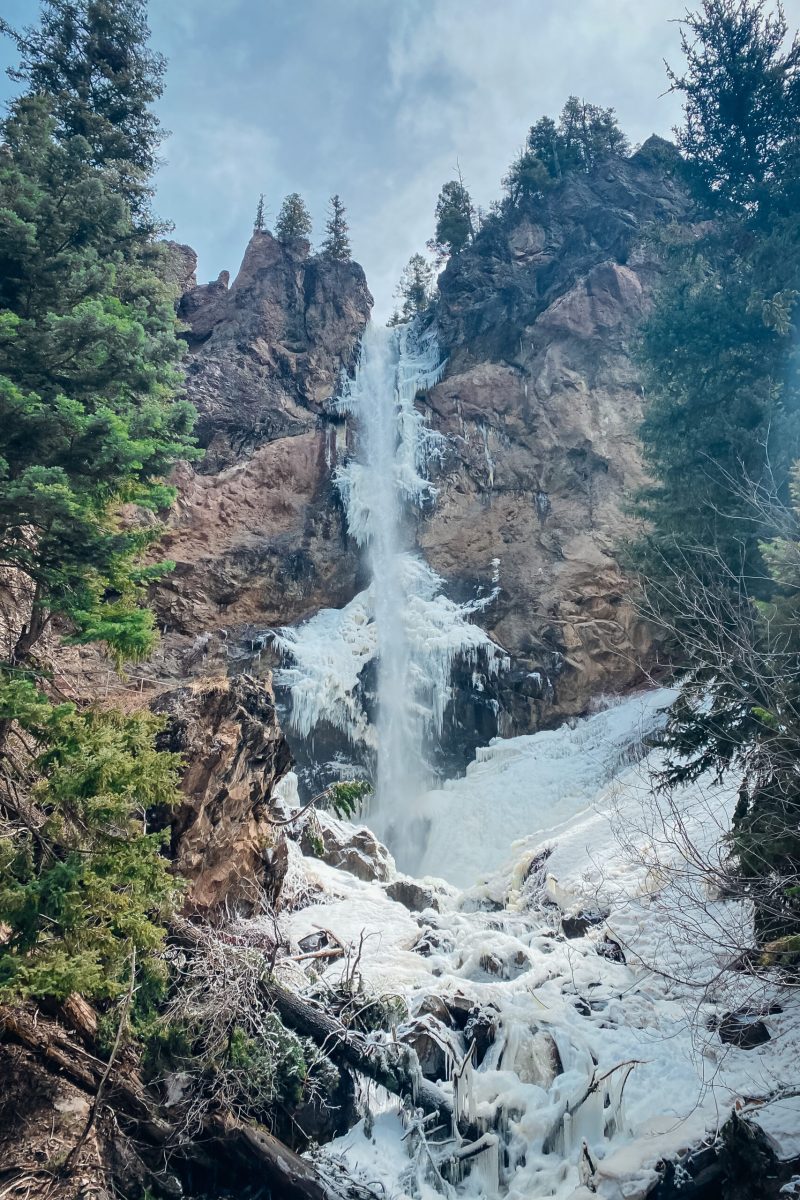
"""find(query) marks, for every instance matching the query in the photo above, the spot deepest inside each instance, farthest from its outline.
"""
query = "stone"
(222, 840)
(414, 896)
(541, 402)
(577, 924)
(536, 1059)
(742, 1029)
(348, 847)
(433, 1044)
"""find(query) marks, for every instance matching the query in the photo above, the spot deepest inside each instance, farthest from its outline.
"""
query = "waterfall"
(403, 620)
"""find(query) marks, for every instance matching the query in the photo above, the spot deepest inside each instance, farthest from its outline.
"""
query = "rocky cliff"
(540, 404)
(257, 533)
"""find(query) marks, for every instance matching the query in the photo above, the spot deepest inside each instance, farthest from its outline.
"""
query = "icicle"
(403, 619)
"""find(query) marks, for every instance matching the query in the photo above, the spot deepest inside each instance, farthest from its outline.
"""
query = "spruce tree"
(721, 429)
(741, 92)
(294, 219)
(414, 288)
(89, 350)
(92, 59)
(258, 224)
(584, 136)
(454, 220)
(337, 242)
(719, 352)
(89, 422)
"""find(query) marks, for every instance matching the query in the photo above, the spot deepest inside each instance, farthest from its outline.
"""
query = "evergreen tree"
(414, 288)
(88, 339)
(294, 220)
(719, 353)
(258, 224)
(337, 241)
(93, 61)
(741, 89)
(82, 882)
(584, 135)
(88, 372)
(721, 428)
(455, 216)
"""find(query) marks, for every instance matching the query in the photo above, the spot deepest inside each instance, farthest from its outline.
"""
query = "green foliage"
(337, 242)
(258, 224)
(88, 373)
(294, 219)
(251, 1066)
(82, 881)
(741, 89)
(91, 58)
(722, 400)
(584, 135)
(414, 288)
(346, 797)
(721, 546)
(454, 220)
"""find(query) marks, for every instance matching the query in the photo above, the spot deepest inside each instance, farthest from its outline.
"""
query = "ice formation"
(600, 1066)
(403, 619)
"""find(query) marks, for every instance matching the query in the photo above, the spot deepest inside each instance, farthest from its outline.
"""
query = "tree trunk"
(393, 1066)
(253, 1150)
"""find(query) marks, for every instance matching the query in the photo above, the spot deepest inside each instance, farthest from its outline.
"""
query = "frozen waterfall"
(403, 620)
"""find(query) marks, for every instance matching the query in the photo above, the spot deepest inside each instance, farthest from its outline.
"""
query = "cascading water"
(403, 620)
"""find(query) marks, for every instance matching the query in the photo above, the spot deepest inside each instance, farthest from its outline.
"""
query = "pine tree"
(92, 59)
(88, 371)
(337, 241)
(294, 220)
(721, 429)
(258, 225)
(741, 90)
(89, 421)
(719, 355)
(584, 135)
(414, 288)
(455, 216)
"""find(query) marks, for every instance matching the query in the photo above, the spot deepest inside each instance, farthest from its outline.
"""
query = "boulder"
(742, 1029)
(222, 842)
(349, 847)
(414, 896)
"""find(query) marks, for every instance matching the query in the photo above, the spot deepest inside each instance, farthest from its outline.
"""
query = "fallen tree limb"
(391, 1065)
(253, 1150)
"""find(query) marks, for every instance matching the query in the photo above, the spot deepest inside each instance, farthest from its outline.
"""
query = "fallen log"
(252, 1149)
(391, 1065)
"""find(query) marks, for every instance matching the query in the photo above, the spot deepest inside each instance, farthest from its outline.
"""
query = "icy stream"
(576, 1052)
(558, 959)
(403, 620)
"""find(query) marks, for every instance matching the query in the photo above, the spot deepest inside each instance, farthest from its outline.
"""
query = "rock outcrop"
(223, 842)
(541, 403)
(257, 532)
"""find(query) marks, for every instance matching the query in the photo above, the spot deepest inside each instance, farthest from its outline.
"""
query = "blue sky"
(378, 100)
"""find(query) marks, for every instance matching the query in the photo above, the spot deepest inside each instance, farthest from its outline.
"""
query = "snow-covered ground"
(599, 1068)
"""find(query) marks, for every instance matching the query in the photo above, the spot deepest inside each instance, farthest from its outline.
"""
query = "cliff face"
(541, 403)
(257, 533)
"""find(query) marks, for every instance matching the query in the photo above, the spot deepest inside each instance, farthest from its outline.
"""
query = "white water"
(403, 620)
(663, 1079)
(639, 1075)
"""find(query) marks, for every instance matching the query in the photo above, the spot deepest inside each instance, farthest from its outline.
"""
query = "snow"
(524, 786)
(663, 1080)
(780, 1121)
